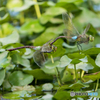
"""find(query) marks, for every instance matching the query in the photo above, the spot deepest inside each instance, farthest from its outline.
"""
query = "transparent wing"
(47, 47)
(85, 31)
(39, 58)
(70, 28)
(65, 31)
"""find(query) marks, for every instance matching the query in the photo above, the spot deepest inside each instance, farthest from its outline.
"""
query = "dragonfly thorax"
(80, 39)
(54, 48)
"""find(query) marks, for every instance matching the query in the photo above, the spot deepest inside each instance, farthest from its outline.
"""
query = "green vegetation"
(33, 23)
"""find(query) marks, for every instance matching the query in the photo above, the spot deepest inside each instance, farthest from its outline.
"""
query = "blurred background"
(34, 22)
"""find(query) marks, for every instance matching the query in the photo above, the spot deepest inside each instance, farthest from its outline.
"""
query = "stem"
(82, 73)
(52, 59)
(97, 85)
(37, 9)
(58, 76)
(75, 73)
(21, 48)
(57, 72)
(22, 19)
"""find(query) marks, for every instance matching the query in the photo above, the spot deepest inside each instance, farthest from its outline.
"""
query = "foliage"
(21, 23)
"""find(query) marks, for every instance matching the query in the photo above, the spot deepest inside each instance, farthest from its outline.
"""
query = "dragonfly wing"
(65, 31)
(71, 30)
(39, 58)
(85, 31)
(47, 47)
(84, 35)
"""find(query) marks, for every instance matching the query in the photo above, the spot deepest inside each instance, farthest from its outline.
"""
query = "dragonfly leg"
(79, 46)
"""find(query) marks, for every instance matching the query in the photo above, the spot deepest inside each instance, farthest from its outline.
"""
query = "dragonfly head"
(54, 48)
(91, 38)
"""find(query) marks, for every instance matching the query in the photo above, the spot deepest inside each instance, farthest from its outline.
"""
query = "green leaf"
(47, 86)
(55, 11)
(31, 26)
(5, 18)
(68, 1)
(51, 65)
(18, 78)
(62, 95)
(92, 51)
(77, 86)
(76, 55)
(43, 38)
(66, 76)
(85, 59)
(60, 50)
(97, 61)
(64, 61)
(38, 74)
(47, 3)
(12, 38)
(26, 6)
(21, 88)
(45, 18)
(82, 19)
(17, 95)
(75, 61)
(4, 60)
(16, 58)
(57, 30)
(28, 54)
(48, 71)
(2, 76)
(93, 76)
(56, 21)
(68, 5)
(84, 66)
(6, 29)
(19, 3)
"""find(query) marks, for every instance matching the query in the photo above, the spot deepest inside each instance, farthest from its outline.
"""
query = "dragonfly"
(72, 34)
(40, 55)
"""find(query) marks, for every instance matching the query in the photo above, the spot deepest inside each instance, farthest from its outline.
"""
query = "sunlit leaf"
(64, 61)
(31, 26)
(97, 61)
(85, 59)
(54, 11)
(47, 86)
(21, 88)
(12, 38)
(84, 66)
(57, 30)
(6, 30)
